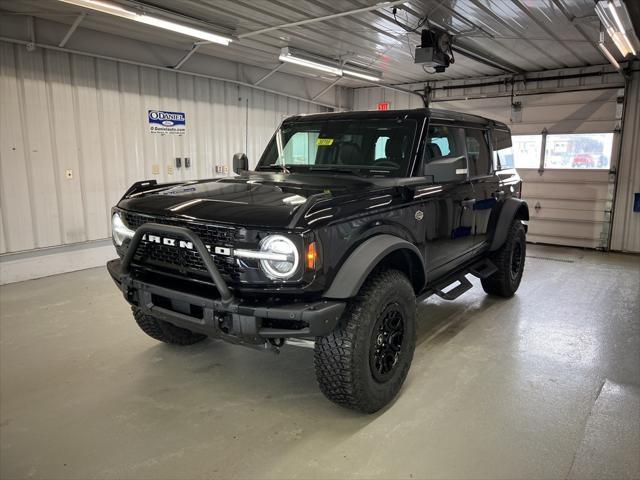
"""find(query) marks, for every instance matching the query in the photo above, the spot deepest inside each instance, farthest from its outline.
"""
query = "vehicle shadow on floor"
(231, 376)
(438, 321)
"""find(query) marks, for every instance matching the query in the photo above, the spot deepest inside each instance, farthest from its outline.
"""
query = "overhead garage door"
(570, 199)
(569, 208)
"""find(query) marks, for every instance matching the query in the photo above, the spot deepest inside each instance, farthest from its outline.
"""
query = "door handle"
(468, 203)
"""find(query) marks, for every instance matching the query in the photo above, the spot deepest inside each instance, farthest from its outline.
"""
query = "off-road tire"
(165, 331)
(510, 262)
(343, 358)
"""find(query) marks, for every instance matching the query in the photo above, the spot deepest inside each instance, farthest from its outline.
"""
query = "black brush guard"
(220, 314)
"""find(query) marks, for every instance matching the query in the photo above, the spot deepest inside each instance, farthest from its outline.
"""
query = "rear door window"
(477, 152)
(444, 154)
(502, 150)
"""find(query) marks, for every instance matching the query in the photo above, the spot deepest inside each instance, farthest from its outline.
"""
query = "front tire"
(363, 363)
(165, 331)
(509, 259)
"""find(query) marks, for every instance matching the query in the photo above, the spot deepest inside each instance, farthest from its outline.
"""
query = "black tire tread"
(339, 374)
(164, 331)
(499, 284)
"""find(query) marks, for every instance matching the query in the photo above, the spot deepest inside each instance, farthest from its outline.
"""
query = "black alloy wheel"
(516, 260)
(386, 342)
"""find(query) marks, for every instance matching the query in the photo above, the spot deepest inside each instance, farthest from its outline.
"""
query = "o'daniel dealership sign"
(167, 123)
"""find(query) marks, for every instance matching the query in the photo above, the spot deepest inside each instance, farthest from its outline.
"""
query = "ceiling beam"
(453, 13)
(187, 56)
(480, 5)
(326, 89)
(321, 19)
(485, 58)
(72, 29)
(268, 74)
(579, 28)
(31, 33)
(549, 31)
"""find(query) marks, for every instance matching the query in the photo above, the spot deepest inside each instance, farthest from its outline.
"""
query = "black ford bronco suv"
(346, 222)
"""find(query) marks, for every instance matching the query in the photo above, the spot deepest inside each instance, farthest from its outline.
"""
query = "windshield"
(373, 147)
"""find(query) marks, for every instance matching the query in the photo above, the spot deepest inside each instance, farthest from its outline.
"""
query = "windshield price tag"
(324, 142)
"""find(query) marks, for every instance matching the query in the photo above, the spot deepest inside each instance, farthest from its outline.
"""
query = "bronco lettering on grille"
(172, 242)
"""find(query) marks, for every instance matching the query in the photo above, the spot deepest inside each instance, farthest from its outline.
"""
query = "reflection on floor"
(542, 385)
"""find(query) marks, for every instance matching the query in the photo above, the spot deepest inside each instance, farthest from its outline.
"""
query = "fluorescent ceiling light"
(115, 9)
(608, 54)
(372, 77)
(291, 56)
(104, 7)
(615, 16)
(310, 60)
(616, 21)
(184, 29)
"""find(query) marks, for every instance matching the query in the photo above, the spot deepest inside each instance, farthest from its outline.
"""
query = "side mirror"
(240, 162)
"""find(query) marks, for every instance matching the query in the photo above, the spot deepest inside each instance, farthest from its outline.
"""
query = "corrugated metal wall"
(626, 223)
(60, 111)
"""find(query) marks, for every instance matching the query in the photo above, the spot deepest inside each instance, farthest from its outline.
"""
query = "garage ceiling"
(492, 37)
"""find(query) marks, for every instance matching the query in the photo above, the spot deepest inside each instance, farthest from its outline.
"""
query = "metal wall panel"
(13, 158)
(61, 111)
(626, 223)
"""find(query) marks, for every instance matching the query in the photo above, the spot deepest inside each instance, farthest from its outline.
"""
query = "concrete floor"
(543, 385)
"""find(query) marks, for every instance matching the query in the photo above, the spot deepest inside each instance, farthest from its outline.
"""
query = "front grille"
(182, 260)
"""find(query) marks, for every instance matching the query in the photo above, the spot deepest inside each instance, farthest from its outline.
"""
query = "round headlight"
(284, 257)
(119, 231)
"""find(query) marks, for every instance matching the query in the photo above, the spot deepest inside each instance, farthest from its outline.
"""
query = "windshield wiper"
(276, 166)
(336, 169)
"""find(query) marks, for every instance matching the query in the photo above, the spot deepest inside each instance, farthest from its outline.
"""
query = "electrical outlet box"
(68, 173)
(178, 162)
(169, 169)
(155, 169)
(187, 162)
(226, 169)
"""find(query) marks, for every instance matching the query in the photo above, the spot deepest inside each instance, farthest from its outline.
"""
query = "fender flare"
(361, 262)
(513, 208)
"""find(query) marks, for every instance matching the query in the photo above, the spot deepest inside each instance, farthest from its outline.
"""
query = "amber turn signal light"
(312, 256)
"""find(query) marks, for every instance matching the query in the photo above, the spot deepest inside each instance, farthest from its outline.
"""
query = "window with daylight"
(526, 150)
(381, 147)
(477, 152)
(502, 151)
(444, 154)
(300, 148)
(579, 150)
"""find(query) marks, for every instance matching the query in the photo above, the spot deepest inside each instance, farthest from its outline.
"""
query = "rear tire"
(363, 363)
(165, 331)
(510, 262)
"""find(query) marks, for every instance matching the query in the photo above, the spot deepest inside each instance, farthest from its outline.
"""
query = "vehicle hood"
(257, 199)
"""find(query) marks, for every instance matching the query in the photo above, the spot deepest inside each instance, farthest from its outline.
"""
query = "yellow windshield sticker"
(324, 142)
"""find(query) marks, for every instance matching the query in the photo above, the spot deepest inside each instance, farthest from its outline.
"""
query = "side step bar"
(482, 269)
(454, 292)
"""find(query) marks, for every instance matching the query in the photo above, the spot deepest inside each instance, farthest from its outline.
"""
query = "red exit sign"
(383, 106)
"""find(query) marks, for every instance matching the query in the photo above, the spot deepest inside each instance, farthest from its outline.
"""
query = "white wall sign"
(171, 123)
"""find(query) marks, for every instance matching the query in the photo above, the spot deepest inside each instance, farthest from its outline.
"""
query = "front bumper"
(220, 314)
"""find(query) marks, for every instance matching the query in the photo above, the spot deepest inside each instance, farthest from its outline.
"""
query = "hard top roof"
(417, 113)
